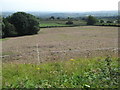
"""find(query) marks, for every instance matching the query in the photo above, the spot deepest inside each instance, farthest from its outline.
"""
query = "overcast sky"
(59, 5)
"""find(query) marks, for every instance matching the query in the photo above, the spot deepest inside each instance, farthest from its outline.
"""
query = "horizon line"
(60, 11)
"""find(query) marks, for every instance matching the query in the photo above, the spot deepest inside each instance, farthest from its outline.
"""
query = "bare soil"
(53, 44)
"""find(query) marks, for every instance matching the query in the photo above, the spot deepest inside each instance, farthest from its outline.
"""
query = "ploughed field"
(54, 44)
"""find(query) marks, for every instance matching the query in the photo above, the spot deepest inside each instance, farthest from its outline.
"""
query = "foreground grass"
(82, 73)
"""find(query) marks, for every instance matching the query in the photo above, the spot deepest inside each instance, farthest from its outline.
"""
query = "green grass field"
(81, 73)
(60, 23)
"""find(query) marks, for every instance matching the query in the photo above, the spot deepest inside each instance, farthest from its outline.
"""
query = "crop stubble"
(62, 44)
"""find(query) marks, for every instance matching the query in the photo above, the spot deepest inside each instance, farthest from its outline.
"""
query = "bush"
(91, 20)
(101, 21)
(109, 22)
(69, 22)
(52, 18)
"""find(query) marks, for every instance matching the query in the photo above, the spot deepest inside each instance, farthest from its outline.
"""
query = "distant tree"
(69, 22)
(83, 18)
(25, 24)
(69, 18)
(52, 18)
(109, 22)
(58, 18)
(101, 21)
(91, 20)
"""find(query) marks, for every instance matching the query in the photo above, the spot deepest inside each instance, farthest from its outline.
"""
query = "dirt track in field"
(52, 44)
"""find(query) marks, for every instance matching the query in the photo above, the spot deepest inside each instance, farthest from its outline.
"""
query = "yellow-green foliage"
(82, 73)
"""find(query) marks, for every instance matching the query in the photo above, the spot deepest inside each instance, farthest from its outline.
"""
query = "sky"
(59, 5)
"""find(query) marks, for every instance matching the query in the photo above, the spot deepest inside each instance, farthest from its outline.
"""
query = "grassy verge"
(82, 73)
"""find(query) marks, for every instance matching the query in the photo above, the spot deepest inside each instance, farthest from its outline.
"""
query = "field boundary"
(109, 25)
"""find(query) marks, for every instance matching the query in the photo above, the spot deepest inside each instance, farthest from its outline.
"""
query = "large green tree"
(8, 29)
(25, 24)
(91, 20)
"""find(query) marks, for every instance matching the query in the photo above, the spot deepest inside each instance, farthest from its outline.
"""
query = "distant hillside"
(65, 14)
(5, 14)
